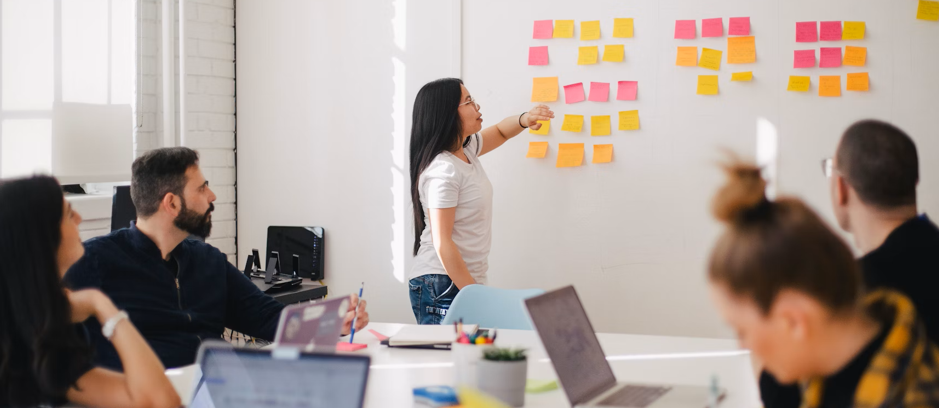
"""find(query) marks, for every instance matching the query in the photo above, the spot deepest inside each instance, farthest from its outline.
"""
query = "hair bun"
(744, 192)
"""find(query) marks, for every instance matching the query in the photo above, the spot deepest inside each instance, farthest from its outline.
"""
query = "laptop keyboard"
(637, 396)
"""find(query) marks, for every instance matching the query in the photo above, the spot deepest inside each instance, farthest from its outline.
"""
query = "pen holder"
(466, 357)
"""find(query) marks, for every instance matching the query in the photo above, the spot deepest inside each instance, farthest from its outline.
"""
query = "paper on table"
(741, 50)
(629, 120)
(799, 83)
(589, 30)
(804, 59)
(563, 28)
(537, 150)
(858, 82)
(544, 89)
(707, 85)
(622, 28)
(685, 29)
(739, 26)
(831, 57)
(711, 59)
(544, 29)
(570, 154)
(855, 56)
(831, 31)
(742, 76)
(574, 93)
(545, 127)
(599, 91)
(600, 125)
(411, 335)
(627, 90)
(573, 123)
(587, 55)
(687, 57)
(538, 55)
(807, 31)
(853, 30)
(614, 52)
(602, 153)
(829, 85)
(712, 27)
(928, 10)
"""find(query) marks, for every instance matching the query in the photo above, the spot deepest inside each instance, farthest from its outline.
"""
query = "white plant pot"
(465, 359)
(504, 380)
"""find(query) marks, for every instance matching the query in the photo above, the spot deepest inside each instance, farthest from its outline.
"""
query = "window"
(56, 52)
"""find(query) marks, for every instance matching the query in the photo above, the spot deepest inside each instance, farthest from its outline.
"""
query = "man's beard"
(193, 222)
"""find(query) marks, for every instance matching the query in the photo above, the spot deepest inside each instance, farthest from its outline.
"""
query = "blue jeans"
(431, 296)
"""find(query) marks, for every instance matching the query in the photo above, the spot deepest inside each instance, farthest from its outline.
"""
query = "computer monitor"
(307, 243)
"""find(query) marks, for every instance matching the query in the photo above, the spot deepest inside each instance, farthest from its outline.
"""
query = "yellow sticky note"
(742, 76)
(687, 57)
(622, 28)
(853, 30)
(859, 82)
(570, 154)
(589, 30)
(545, 126)
(855, 56)
(707, 85)
(799, 83)
(573, 123)
(829, 85)
(471, 398)
(602, 153)
(741, 50)
(928, 10)
(537, 150)
(588, 55)
(711, 59)
(600, 125)
(614, 53)
(629, 120)
(563, 28)
(544, 89)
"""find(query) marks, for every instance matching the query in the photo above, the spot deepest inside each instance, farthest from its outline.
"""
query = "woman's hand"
(540, 112)
(356, 312)
(88, 303)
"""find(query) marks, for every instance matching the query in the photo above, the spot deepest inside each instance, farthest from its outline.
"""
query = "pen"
(356, 315)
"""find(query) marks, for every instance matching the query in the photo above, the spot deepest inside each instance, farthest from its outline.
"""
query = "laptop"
(312, 326)
(571, 343)
(232, 377)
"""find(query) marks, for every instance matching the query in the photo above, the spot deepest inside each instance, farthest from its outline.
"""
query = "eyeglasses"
(470, 101)
(828, 167)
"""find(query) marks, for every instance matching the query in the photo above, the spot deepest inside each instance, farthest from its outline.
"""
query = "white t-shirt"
(450, 182)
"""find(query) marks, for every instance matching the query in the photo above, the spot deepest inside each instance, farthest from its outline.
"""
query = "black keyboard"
(634, 396)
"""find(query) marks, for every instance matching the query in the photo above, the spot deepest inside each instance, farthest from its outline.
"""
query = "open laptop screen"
(235, 378)
(571, 343)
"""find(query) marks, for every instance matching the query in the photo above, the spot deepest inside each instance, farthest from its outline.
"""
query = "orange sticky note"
(742, 76)
(570, 154)
(707, 85)
(711, 59)
(614, 52)
(928, 10)
(741, 50)
(589, 30)
(799, 83)
(629, 120)
(544, 89)
(545, 126)
(687, 57)
(588, 55)
(829, 85)
(622, 28)
(537, 150)
(573, 123)
(853, 30)
(602, 153)
(855, 56)
(563, 28)
(859, 82)
(600, 125)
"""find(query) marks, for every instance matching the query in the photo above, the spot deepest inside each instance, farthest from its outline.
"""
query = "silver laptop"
(232, 377)
(312, 326)
(581, 366)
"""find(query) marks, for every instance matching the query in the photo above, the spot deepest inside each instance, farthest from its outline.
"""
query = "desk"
(649, 359)
(305, 292)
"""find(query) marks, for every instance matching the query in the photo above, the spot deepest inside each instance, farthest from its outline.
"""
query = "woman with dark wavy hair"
(45, 358)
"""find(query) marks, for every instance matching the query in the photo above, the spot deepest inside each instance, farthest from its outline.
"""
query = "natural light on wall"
(399, 174)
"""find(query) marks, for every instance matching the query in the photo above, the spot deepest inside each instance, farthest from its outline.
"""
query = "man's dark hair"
(879, 160)
(158, 172)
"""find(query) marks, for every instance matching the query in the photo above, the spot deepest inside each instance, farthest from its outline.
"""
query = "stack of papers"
(427, 335)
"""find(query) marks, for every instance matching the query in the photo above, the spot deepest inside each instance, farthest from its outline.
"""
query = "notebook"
(428, 336)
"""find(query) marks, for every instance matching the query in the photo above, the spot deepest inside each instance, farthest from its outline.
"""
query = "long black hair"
(436, 127)
(39, 345)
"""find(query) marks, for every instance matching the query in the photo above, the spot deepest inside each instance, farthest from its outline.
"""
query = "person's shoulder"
(443, 166)
(108, 242)
(204, 250)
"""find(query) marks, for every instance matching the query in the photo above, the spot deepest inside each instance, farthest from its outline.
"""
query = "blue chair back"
(491, 307)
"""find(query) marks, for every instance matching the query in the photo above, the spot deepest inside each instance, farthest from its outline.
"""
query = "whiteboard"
(634, 235)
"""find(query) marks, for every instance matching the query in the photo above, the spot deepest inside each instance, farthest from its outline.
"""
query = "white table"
(636, 358)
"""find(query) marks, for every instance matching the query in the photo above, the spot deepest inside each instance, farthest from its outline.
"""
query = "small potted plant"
(502, 374)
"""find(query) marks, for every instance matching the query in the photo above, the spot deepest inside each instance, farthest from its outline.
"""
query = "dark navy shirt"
(173, 312)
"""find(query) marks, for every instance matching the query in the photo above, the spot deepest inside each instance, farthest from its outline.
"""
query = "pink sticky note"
(627, 90)
(346, 346)
(831, 30)
(574, 93)
(804, 59)
(712, 27)
(739, 26)
(831, 57)
(807, 31)
(599, 91)
(544, 29)
(379, 336)
(685, 29)
(538, 55)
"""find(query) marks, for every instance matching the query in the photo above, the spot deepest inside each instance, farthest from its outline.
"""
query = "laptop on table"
(586, 376)
(312, 326)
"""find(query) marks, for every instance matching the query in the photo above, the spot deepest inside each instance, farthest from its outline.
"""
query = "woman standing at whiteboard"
(451, 194)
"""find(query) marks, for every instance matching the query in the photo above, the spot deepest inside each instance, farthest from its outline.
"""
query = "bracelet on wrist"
(520, 120)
